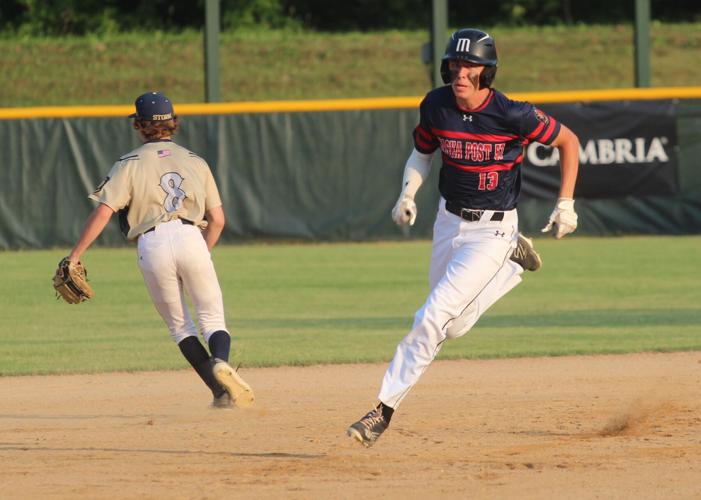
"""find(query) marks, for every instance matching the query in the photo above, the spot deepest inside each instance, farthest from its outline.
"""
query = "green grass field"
(273, 65)
(345, 303)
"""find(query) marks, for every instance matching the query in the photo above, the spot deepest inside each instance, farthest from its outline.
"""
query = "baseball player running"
(168, 202)
(477, 254)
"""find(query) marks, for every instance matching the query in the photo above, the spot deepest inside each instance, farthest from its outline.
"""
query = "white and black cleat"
(525, 255)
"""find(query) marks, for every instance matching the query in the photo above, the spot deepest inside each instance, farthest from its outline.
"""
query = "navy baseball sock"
(198, 357)
(220, 344)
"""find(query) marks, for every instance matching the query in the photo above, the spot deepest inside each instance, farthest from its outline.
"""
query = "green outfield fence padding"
(291, 175)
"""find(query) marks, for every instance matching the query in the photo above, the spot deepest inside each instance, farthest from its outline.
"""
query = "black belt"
(471, 214)
(184, 221)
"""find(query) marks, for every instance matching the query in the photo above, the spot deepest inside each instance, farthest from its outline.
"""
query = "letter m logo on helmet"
(463, 45)
(475, 46)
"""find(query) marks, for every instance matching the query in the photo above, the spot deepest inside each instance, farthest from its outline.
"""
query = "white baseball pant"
(174, 261)
(470, 271)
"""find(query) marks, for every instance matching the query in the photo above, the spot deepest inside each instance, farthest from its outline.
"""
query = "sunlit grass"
(344, 303)
(273, 65)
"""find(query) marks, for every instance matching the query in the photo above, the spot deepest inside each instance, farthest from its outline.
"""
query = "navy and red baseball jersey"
(482, 149)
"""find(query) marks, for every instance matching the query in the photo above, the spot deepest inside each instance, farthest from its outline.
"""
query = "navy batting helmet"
(474, 46)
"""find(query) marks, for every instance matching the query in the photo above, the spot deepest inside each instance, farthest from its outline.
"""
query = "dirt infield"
(575, 427)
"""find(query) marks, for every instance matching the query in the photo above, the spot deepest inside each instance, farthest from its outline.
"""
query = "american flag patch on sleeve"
(162, 153)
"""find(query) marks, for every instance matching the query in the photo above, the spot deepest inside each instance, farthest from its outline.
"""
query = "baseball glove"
(71, 282)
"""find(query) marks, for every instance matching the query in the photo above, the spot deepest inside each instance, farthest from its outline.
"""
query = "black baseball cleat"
(369, 428)
(525, 255)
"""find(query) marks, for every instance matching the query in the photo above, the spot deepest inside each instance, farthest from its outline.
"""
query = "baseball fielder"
(477, 254)
(169, 204)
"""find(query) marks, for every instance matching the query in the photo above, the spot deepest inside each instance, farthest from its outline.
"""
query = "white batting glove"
(563, 219)
(404, 212)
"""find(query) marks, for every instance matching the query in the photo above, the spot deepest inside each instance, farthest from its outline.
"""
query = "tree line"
(79, 17)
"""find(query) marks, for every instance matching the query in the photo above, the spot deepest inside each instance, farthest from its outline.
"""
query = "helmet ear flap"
(445, 71)
(487, 76)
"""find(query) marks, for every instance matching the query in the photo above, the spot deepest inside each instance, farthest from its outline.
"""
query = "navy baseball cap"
(153, 106)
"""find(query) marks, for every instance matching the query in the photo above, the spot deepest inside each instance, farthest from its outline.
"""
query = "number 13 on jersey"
(488, 181)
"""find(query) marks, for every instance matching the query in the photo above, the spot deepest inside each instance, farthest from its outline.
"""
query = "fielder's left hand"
(404, 211)
(563, 219)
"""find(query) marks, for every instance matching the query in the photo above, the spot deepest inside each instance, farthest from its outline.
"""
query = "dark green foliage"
(361, 14)
(61, 17)
(78, 17)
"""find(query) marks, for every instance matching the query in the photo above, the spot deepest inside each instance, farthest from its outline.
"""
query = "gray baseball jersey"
(158, 182)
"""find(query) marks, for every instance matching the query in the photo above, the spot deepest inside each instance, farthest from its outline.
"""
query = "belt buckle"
(471, 215)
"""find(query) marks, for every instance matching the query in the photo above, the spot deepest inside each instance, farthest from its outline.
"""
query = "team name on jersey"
(457, 149)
